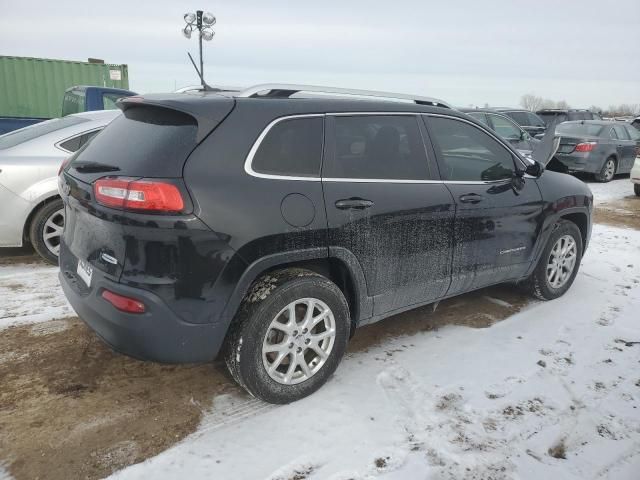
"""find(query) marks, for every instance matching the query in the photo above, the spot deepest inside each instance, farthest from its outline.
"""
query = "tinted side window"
(521, 118)
(621, 132)
(481, 117)
(71, 145)
(633, 132)
(469, 154)
(377, 147)
(534, 120)
(612, 134)
(109, 100)
(76, 143)
(292, 147)
(505, 128)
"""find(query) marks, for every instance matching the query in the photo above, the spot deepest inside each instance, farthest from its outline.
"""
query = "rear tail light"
(145, 195)
(122, 303)
(585, 147)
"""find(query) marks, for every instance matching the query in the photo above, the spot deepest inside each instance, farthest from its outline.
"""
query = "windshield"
(579, 129)
(22, 135)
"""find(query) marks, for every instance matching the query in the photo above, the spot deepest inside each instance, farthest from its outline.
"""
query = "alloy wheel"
(298, 341)
(52, 231)
(609, 169)
(562, 261)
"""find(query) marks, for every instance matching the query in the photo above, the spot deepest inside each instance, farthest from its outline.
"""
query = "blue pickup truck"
(76, 99)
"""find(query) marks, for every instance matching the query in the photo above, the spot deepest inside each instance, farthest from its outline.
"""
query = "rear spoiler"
(208, 110)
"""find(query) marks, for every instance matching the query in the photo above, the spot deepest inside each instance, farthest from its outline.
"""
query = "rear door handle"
(353, 203)
(471, 198)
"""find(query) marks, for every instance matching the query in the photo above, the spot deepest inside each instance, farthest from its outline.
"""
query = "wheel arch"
(580, 216)
(340, 266)
(27, 224)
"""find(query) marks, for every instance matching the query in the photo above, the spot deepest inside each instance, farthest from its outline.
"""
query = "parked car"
(76, 99)
(30, 159)
(529, 121)
(636, 123)
(269, 228)
(635, 176)
(598, 146)
(505, 127)
(557, 116)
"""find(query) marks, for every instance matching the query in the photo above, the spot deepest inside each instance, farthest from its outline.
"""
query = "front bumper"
(158, 334)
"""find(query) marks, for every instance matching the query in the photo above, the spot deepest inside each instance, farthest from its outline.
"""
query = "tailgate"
(91, 233)
(151, 140)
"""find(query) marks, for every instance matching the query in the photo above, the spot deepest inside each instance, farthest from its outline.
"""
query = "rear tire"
(279, 360)
(636, 189)
(46, 228)
(608, 171)
(542, 283)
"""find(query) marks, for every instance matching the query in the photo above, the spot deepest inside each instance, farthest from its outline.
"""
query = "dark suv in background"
(529, 121)
(563, 115)
(505, 127)
(270, 227)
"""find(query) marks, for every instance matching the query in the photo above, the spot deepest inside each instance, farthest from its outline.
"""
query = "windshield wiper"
(93, 167)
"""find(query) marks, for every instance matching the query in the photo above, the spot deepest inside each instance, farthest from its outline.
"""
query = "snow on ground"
(31, 293)
(612, 191)
(559, 379)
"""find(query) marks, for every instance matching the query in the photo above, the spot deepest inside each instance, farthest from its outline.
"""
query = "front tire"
(45, 231)
(608, 171)
(559, 263)
(289, 335)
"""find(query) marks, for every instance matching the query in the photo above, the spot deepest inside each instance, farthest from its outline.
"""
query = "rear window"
(549, 117)
(22, 135)
(521, 118)
(144, 141)
(73, 102)
(291, 148)
(579, 129)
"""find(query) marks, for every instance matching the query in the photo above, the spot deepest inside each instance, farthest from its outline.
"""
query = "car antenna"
(206, 86)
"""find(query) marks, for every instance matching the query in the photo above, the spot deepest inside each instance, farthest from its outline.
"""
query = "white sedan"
(635, 176)
(30, 208)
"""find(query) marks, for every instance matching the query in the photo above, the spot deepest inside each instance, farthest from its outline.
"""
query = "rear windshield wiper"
(93, 167)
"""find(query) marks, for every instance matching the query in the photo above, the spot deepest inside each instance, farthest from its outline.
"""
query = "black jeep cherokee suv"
(268, 228)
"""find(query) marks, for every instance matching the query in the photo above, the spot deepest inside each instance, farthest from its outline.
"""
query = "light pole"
(202, 21)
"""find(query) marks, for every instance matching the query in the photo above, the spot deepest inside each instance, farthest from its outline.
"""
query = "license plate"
(85, 271)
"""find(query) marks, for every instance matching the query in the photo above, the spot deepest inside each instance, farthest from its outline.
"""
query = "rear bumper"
(158, 334)
(579, 163)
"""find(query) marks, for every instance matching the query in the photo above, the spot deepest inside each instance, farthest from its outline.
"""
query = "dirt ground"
(72, 408)
(622, 213)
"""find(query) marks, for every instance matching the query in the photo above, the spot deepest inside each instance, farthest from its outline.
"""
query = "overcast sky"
(467, 52)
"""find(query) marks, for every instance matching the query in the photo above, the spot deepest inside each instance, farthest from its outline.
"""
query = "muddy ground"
(71, 408)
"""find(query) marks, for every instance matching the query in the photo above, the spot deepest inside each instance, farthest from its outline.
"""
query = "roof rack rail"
(284, 90)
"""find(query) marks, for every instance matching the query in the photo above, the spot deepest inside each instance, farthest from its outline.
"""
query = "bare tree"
(531, 102)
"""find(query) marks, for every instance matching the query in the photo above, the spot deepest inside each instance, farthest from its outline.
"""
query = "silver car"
(30, 208)
(600, 147)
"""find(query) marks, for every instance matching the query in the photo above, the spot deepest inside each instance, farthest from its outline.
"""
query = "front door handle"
(471, 198)
(353, 203)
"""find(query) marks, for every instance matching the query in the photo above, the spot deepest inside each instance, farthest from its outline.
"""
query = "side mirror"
(534, 169)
